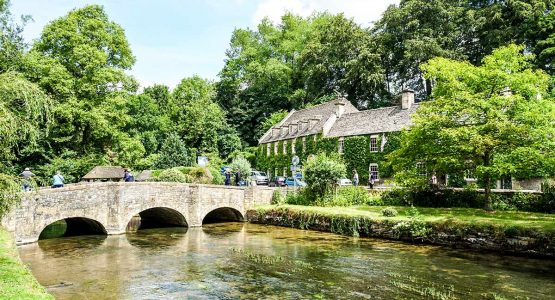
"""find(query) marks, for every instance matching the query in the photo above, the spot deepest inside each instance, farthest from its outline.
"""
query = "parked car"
(344, 182)
(277, 181)
(259, 177)
(290, 181)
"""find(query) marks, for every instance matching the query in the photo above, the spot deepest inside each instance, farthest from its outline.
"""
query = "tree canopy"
(495, 120)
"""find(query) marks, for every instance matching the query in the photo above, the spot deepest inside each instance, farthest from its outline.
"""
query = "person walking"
(58, 180)
(355, 178)
(371, 181)
(238, 177)
(26, 174)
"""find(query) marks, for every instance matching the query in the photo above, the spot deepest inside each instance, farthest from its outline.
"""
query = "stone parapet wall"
(113, 204)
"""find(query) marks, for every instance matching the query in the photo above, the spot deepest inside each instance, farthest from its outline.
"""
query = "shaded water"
(249, 261)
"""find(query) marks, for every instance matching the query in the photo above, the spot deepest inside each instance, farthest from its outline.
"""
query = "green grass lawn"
(524, 220)
(16, 280)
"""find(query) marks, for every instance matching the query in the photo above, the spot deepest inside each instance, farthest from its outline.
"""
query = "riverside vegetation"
(16, 280)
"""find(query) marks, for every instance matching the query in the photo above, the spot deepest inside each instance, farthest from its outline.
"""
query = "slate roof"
(145, 175)
(322, 112)
(379, 120)
(105, 172)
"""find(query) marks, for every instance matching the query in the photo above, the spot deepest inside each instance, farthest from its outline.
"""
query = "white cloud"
(363, 12)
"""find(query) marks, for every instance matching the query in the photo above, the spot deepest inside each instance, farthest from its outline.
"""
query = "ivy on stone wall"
(357, 153)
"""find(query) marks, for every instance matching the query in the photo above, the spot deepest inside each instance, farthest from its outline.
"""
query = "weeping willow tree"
(24, 119)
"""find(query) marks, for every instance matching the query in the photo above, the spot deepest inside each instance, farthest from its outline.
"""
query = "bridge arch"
(72, 226)
(223, 214)
(156, 217)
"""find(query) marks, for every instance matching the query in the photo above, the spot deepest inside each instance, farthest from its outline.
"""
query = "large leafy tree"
(494, 119)
(415, 31)
(12, 44)
(197, 118)
(297, 62)
(81, 60)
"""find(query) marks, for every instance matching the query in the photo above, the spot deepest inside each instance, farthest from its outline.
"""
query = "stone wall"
(113, 204)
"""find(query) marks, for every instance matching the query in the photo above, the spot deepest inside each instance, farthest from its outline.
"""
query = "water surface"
(249, 261)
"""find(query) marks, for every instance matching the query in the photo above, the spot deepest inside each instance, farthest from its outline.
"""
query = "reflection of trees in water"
(223, 229)
(156, 238)
(67, 245)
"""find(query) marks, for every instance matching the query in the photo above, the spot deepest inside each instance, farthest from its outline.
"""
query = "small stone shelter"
(104, 173)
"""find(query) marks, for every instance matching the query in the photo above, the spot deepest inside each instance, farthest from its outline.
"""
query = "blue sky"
(174, 39)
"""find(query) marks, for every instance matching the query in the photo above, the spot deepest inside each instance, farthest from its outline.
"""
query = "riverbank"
(521, 233)
(16, 280)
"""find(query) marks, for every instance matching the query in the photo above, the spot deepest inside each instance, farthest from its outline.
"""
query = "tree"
(494, 119)
(270, 121)
(25, 112)
(414, 32)
(297, 62)
(197, 117)
(80, 59)
(322, 172)
(12, 44)
(173, 153)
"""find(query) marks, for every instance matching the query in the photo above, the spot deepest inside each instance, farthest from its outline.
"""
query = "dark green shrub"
(277, 198)
(171, 175)
(299, 198)
(511, 231)
(389, 212)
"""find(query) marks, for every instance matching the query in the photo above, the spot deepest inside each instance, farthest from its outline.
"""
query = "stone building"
(363, 137)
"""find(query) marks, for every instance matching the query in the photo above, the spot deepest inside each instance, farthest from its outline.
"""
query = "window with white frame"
(284, 147)
(293, 145)
(268, 149)
(341, 145)
(373, 169)
(373, 143)
(304, 144)
(276, 148)
(421, 169)
(276, 172)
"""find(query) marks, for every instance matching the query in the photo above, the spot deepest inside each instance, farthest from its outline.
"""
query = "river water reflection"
(249, 261)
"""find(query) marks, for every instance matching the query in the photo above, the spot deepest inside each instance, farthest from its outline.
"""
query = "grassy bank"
(16, 280)
(507, 231)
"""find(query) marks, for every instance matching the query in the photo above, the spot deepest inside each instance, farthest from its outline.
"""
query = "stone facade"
(113, 204)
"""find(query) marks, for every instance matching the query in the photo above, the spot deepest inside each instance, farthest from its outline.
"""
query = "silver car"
(259, 177)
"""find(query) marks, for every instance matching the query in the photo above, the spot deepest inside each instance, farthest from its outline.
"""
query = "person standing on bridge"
(58, 180)
(127, 176)
(238, 178)
(227, 175)
(26, 174)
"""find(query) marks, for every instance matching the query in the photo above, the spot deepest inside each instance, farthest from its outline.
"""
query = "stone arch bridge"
(111, 205)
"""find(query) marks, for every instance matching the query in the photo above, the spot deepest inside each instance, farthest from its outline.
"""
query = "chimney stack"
(339, 108)
(407, 98)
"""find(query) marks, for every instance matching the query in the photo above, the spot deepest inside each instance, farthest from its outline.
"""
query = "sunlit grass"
(16, 280)
(523, 220)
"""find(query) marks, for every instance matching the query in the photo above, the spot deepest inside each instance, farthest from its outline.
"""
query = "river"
(249, 261)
